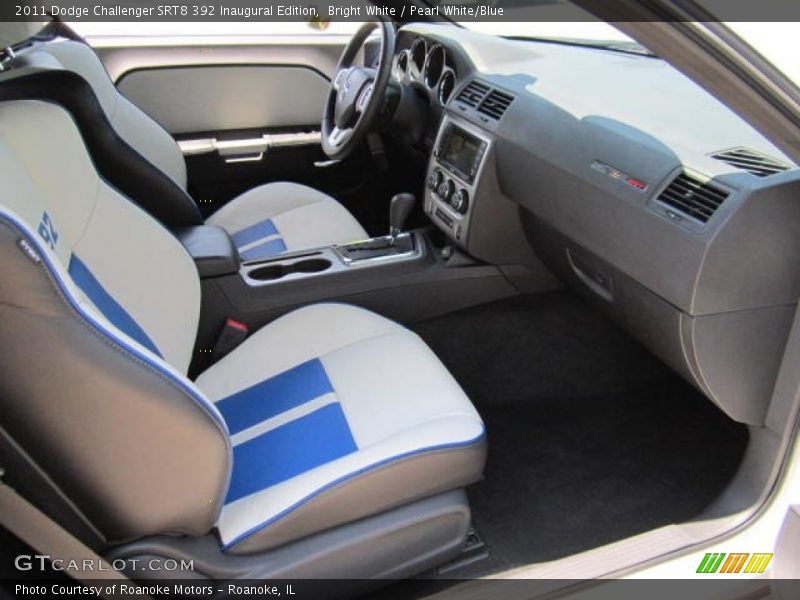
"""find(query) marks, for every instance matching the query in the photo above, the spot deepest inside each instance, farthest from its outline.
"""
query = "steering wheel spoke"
(364, 97)
(338, 136)
(341, 77)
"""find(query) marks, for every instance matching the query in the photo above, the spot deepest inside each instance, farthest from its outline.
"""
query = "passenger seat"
(324, 417)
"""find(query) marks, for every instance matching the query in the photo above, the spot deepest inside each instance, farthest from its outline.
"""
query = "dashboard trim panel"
(435, 205)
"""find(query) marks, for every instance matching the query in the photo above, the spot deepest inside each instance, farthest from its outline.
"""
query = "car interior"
(421, 302)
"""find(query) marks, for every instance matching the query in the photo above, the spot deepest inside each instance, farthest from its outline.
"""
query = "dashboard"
(629, 182)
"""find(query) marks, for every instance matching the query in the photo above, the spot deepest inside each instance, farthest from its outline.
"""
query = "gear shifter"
(396, 244)
(399, 210)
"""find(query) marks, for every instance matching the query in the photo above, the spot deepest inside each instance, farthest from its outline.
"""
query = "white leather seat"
(285, 217)
(325, 416)
(372, 397)
(273, 218)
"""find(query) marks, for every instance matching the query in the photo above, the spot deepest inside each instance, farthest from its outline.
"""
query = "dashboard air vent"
(751, 161)
(693, 197)
(495, 104)
(473, 93)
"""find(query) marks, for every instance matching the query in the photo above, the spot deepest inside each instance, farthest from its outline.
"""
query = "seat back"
(122, 166)
(157, 181)
(99, 307)
(144, 134)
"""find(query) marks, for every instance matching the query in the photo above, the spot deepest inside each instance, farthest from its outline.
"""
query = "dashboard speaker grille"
(693, 197)
(495, 104)
(751, 161)
(473, 93)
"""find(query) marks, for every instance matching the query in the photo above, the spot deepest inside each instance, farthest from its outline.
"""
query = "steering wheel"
(357, 93)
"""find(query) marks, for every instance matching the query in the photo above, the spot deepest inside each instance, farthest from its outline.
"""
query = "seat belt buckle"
(232, 335)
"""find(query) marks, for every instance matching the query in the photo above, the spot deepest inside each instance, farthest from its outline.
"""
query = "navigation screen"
(460, 150)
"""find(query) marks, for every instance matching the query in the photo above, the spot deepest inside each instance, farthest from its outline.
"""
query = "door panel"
(215, 178)
(223, 97)
(122, 55)
(225, 90)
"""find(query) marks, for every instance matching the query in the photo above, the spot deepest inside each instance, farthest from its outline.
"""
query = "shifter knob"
(399, 210)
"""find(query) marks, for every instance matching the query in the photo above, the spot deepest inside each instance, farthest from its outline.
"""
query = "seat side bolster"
(131, 442)
(390, 483)
(121, 165)
(137, 128)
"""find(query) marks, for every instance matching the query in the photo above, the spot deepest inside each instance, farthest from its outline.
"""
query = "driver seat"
(265, 221)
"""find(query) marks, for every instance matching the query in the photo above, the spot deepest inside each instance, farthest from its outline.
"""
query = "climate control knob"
(460, 202)
(446, 191)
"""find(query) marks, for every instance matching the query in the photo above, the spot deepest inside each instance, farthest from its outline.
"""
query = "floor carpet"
(591, 438)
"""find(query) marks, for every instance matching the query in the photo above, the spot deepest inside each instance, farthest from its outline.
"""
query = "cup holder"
(280, 270)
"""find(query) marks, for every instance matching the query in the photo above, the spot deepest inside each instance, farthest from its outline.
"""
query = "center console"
(334, 259)
(406, 276)
(454, 175)
(402, 277)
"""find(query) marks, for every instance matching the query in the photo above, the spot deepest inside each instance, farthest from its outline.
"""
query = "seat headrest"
(14, 32)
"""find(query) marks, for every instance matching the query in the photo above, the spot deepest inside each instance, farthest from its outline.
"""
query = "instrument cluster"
(426, 64)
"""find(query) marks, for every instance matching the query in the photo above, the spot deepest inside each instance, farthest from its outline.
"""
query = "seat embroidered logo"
(736, 562)
(29, 251)
(47, 231)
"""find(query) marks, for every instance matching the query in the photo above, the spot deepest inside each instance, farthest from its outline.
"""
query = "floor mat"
(591, 438)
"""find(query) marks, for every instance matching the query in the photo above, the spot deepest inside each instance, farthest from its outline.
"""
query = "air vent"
(495, 104)
(753, 162)
(473, 93)
(693, 197)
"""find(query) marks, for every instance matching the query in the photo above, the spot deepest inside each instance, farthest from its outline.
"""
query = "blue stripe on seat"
(110, 308)
(256, 232)
(275, 395)
(265, 250)
(289, 450)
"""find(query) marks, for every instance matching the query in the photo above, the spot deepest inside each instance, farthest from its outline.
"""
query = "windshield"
(562, 21)
(777, 42)
(553, 20)
(580, 31)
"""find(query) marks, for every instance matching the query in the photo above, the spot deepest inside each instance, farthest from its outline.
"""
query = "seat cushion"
(285, 217)
(335, 414)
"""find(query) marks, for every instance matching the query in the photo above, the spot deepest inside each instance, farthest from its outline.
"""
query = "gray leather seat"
(323, 417)
(266, 221)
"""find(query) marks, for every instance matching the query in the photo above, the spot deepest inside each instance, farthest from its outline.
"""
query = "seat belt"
(58, 28)
(9, 53)
(51, 31)
(44, 535)
(232, 335)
